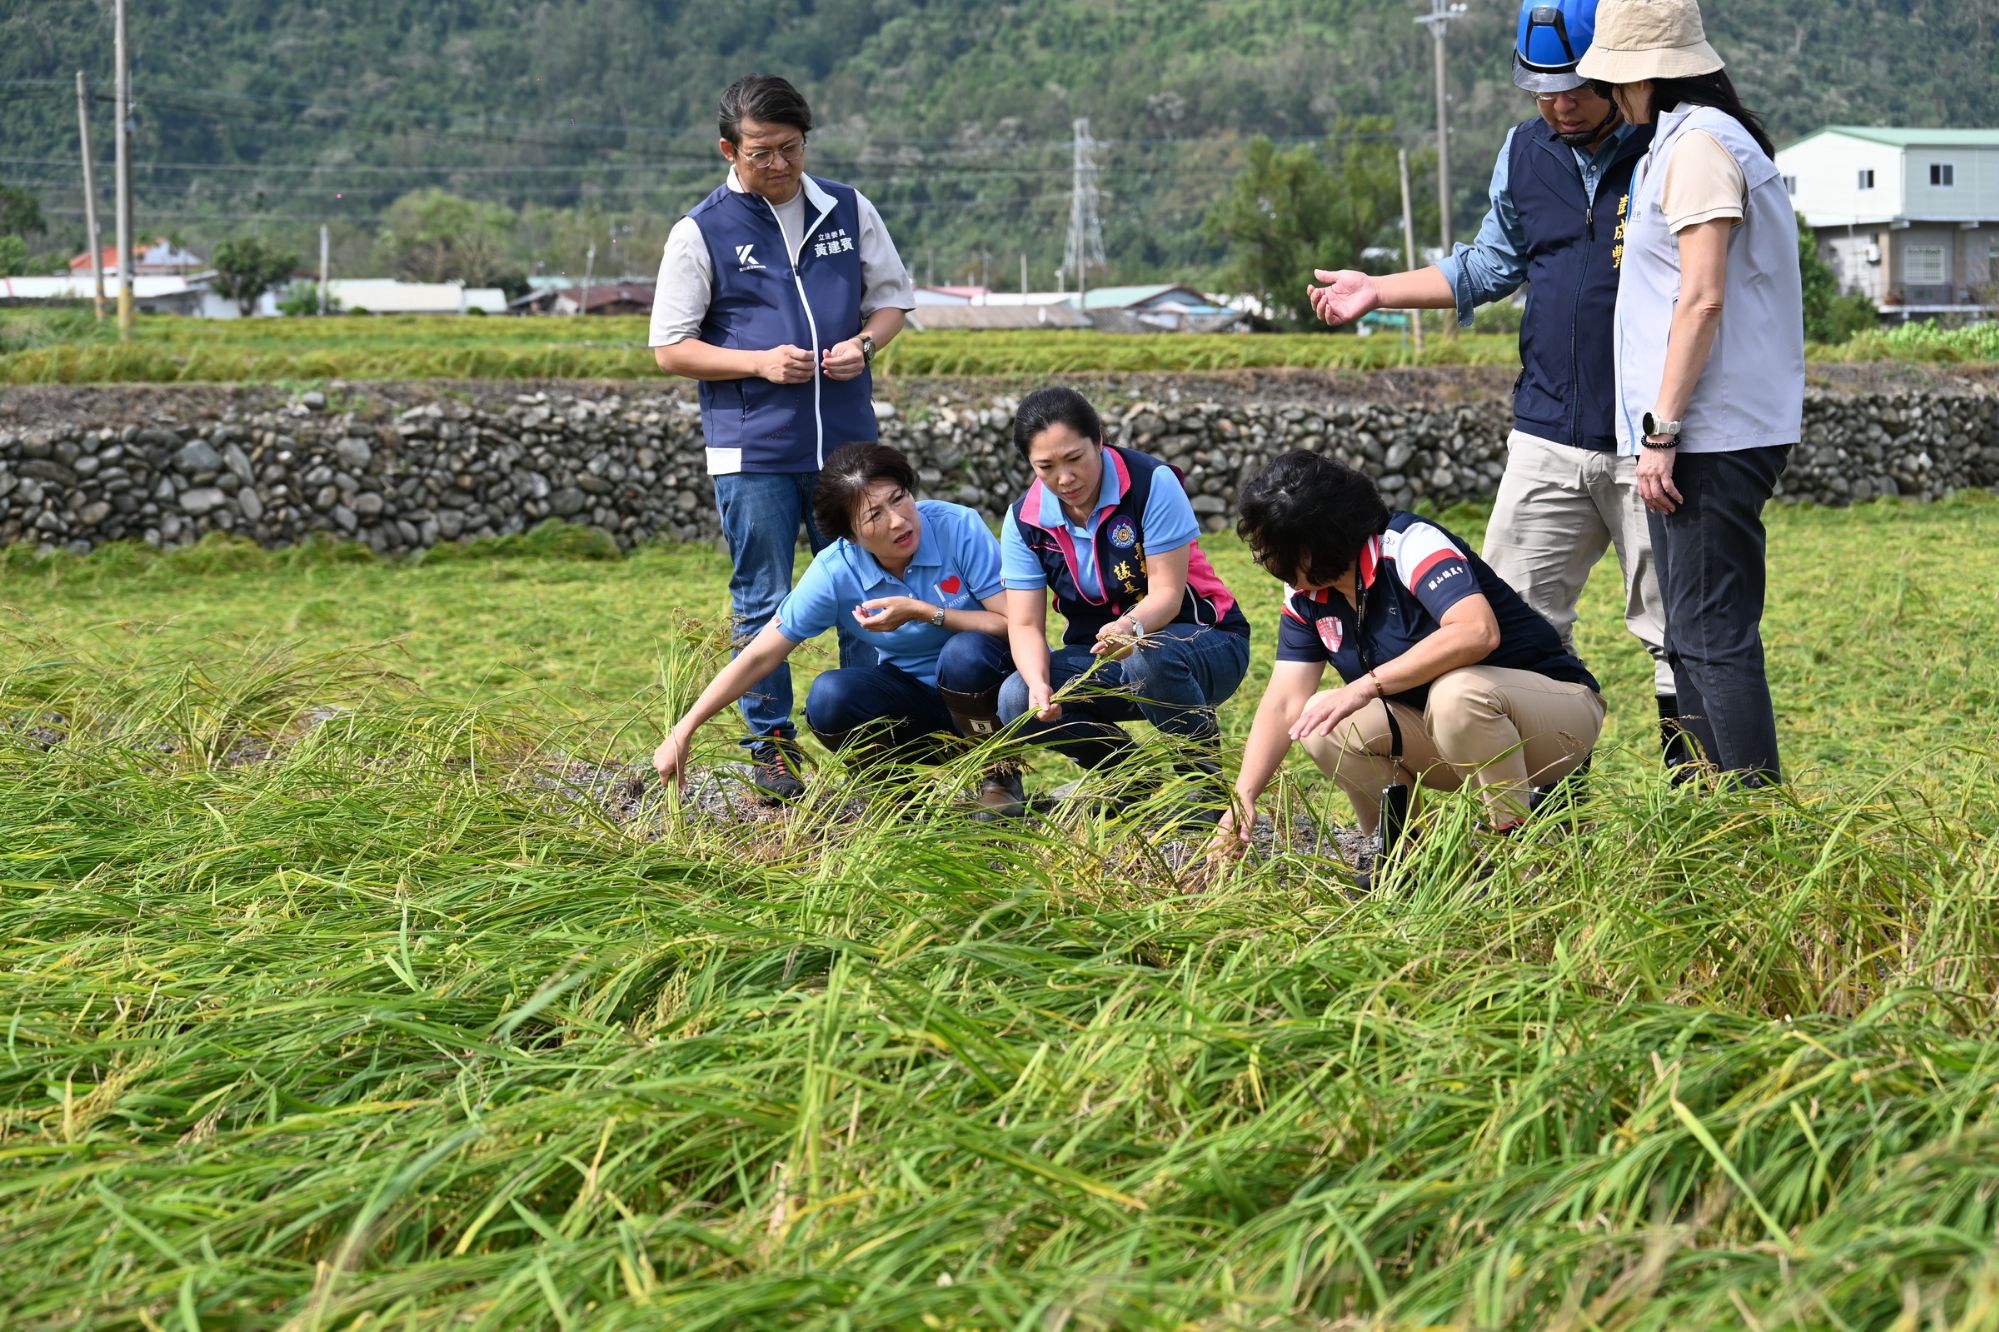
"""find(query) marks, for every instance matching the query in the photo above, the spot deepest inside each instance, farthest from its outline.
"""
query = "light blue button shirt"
(1168, 524)
(1495, 264)
(956, 566)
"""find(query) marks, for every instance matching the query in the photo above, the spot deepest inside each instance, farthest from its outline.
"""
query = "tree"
(1830, 315)
(1313, 206)
(13, 256)
(248, 266)
(303, 299)
(436, 236)
(20, 213)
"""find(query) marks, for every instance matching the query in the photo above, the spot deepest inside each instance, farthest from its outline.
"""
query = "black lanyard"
(1367, 664)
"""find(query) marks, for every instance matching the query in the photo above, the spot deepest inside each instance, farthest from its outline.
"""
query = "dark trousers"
(1175, 682)
(1710, 556)
(898, 709)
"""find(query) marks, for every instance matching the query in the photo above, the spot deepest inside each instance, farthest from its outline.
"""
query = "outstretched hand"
(1228, 844)
(670, 760)
(1346, 296)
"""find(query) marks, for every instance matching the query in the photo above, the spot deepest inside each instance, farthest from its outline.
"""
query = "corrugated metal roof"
(934, 317)
(1902, 137)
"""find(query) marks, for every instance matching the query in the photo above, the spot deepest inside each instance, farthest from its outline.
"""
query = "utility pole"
(1409, 241)
(1023, 274)
(589, 272)
(123, 56)
(324, 246)
(1438, 20)
(90, 196)
(1085, 245)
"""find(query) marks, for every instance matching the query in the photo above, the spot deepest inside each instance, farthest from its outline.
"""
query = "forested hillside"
(955, 115)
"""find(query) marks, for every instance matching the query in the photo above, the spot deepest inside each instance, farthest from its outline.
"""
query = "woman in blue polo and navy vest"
(1110, 534)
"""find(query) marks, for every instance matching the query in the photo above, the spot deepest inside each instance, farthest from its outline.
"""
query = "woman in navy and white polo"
(1109, 534)
(1430, 642)
(922, 579)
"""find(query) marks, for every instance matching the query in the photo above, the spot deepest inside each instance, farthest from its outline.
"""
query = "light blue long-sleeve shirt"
(1494, 265)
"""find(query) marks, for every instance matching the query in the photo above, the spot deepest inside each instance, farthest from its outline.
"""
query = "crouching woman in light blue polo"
(922, 578)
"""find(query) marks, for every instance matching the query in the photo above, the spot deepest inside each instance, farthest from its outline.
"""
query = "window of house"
(1943, 173)
(1790, 184)
(1867, 180)
(1924, 265)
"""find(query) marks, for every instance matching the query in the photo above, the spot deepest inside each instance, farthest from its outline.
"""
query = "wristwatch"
(1654, 426)
(938, 618)
(867, 349)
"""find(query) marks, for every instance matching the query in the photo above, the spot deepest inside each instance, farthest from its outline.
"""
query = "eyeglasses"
(765, 158)
(1597, 86)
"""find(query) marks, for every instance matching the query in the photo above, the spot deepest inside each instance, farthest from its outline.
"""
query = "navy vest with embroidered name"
(1567, 390)
(1120, 543)
(762, 299)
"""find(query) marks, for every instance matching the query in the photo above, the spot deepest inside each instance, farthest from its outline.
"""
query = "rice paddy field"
(347, 982)
(68, 346)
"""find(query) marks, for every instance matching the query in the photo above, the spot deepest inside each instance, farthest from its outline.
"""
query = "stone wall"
(409, 465)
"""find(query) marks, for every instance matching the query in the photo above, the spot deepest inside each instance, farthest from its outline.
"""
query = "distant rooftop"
(1901, 137)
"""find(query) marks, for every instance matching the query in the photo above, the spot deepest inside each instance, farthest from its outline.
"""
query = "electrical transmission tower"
(1086, 229)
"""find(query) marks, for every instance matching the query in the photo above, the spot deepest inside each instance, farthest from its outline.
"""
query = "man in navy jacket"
(1556, 223)
(776, 292)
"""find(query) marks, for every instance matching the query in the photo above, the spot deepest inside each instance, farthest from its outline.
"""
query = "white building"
(152, 293)
(393, 296)
(1907, 217)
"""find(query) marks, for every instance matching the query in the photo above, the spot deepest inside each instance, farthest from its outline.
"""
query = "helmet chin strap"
(1584, 138)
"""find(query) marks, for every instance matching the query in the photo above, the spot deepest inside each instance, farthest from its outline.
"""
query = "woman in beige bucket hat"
(1710, 359)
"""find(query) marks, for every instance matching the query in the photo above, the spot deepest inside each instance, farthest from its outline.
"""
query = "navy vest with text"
(1120, 542)
(762, 300)
(1567, 390)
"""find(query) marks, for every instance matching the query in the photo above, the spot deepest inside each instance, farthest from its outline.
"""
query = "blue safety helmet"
(1552, 37)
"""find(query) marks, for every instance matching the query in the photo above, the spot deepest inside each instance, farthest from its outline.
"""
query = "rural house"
(1908, 218)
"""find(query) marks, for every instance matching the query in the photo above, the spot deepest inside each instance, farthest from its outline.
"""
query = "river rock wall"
(403, 467)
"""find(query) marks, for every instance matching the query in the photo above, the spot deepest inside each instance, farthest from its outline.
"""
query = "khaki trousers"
(1499, 729)
(1559, 508)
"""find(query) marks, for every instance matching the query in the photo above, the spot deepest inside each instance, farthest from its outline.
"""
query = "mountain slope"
(955, 115)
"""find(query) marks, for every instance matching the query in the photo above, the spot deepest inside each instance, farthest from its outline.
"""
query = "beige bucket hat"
(1637, 40)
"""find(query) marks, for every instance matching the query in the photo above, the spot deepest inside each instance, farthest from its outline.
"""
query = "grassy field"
(66, 347)
(331, 1000)
(37, 348)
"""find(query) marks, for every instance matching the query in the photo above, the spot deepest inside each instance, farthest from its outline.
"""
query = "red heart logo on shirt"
(949, 587)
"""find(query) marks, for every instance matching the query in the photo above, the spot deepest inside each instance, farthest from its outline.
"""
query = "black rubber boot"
(1099, 748)
(1565, 792)
(975, 715)
(1201, 768)
(1676, 744)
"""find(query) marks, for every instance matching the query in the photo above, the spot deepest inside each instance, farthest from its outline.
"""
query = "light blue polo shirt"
(956, 566)
(1169, 524)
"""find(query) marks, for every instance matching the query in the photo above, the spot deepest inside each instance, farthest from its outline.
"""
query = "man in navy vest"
(1556, 223)
(776, 292)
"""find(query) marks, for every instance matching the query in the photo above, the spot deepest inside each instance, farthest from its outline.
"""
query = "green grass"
(69, 347)
(381, 1030)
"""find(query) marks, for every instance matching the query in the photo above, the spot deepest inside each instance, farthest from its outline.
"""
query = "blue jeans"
(843, 701)
(1175, 682)
(1709, 552)
(761, 515)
